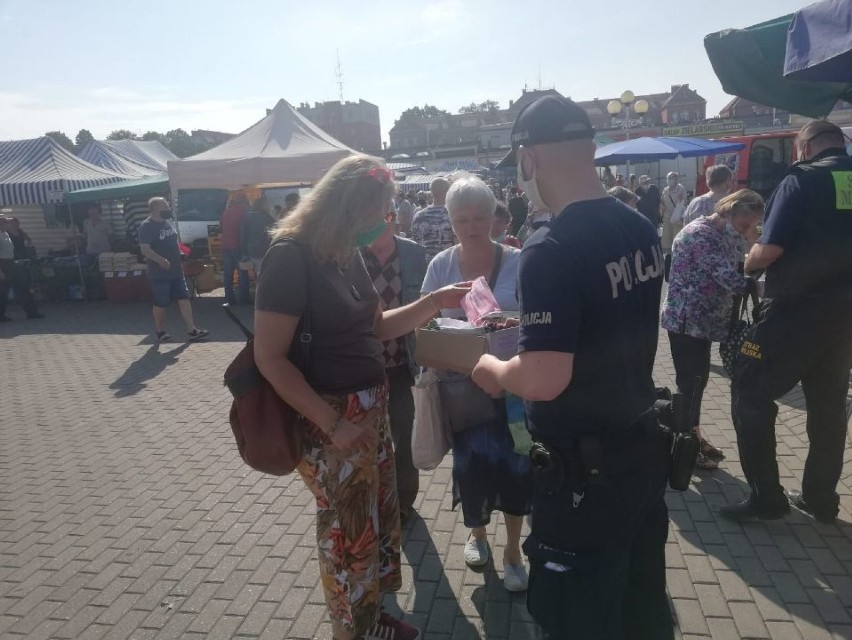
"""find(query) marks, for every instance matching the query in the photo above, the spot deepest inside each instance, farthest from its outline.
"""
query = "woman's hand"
(363, 436)
(752, 235)
(450, 297)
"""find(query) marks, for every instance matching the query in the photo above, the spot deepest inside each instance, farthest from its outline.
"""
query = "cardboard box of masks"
(460, 350)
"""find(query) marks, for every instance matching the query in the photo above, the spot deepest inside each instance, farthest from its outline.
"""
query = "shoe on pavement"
(197, 334)
(515, 577)
(797, 500)
(389, 628)
(476, 552)
(162, 336)
(748, 509)
(707, 463)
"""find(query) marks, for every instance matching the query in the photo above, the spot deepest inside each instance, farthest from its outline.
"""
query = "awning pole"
(77, 253)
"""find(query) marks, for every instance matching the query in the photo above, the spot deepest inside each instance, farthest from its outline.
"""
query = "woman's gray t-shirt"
(345, 354)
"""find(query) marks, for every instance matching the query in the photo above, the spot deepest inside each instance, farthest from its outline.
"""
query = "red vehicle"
(760, 166)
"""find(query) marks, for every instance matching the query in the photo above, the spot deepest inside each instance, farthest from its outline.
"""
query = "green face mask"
(366, 238)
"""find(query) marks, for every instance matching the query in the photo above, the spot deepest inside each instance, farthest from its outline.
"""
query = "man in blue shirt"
(804, 330)
(159, 244)
(589, 288)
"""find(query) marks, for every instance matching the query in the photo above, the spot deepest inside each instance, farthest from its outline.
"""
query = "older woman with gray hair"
(487, 474)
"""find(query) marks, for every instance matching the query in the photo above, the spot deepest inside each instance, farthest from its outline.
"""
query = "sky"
(218, 64)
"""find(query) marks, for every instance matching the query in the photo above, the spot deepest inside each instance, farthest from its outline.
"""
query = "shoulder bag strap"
(305, 335)
(498, 261)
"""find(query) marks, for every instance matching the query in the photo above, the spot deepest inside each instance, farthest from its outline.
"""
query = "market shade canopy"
(750, 64)
(819, 43)
(39, 170)
(663, 148)
(283, 148)
(133, 158)
(140, 188)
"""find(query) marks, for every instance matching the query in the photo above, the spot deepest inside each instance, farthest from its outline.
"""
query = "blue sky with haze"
(217, 64)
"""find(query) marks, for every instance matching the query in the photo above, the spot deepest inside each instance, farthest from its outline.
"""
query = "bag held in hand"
(740, 328)
(430, 440)
(268, 431)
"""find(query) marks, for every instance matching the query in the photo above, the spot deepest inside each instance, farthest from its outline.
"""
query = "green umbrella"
(750, 64)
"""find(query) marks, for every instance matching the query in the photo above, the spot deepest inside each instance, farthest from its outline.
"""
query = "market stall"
(34, 176)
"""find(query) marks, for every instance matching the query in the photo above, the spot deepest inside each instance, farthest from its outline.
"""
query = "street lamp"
(627, 99)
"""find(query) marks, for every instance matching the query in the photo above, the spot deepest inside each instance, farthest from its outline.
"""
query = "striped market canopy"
(419, 182)
(40, 170)
(133, 158)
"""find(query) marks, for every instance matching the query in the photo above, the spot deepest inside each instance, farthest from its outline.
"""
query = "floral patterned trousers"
(358, 530)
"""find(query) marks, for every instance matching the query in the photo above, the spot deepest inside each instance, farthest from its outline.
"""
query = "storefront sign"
(727, 128)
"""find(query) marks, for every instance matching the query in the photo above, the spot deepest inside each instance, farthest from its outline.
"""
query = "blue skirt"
(488, 475)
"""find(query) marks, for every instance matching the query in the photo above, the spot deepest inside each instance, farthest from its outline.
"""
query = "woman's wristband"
(434, 304)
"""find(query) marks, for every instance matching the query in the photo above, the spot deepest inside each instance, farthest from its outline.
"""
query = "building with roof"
(355, 124)
(485, 136)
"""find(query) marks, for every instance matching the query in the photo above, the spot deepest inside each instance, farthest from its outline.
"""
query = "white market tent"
(133, 158)
(284, 148)
(39, 171)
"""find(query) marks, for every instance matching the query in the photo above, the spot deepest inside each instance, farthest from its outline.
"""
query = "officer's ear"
(526, 162)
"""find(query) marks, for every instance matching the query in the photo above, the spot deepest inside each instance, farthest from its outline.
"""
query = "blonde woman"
(314, 263)
(702, 284)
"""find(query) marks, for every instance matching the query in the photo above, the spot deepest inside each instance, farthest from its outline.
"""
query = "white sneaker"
(515, 577)
(476, 552)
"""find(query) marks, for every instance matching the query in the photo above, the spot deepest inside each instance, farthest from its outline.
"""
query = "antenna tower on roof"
(339, 74)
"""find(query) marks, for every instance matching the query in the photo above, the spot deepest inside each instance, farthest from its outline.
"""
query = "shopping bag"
(739, 330)
(430, 440)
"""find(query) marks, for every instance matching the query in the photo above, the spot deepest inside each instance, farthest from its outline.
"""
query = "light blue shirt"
(445, 270)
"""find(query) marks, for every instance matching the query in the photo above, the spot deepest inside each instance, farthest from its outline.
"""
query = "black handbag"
(740, 328)
(463, 403)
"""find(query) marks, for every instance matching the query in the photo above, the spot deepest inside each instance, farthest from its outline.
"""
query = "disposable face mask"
(366, 238)
(530, 187)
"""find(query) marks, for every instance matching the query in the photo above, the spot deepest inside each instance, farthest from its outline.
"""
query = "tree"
(122, 134)
(180, 143)
(63, 140)
(489, 106)
(426, 111)
(153, 135)
(84, 137)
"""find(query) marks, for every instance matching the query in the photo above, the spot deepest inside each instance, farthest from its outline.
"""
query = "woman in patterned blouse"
(704, 278)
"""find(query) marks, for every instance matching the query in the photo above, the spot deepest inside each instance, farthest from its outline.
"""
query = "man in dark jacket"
(254, 235)
(649, 200)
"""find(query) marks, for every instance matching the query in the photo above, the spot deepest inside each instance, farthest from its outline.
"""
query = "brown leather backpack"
(268, 431)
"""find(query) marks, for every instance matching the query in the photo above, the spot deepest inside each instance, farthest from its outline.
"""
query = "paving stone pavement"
(125, 511)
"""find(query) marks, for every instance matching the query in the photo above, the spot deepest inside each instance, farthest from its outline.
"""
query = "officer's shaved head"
(821, 135)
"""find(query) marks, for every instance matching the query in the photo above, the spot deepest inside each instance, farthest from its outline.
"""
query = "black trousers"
(691, 358)
(809, 341)
(401, 410)
(613, 585)
(15, 279)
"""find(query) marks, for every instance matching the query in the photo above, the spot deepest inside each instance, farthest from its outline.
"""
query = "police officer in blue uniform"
(804, 332)
(589, 289)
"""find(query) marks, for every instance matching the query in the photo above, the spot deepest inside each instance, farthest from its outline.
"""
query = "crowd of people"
(370, 266)
(582, 260)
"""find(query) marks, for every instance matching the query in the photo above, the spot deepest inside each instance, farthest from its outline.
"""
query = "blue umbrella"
(663, 148)
(819, 43)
